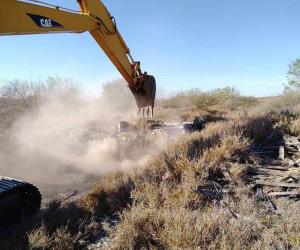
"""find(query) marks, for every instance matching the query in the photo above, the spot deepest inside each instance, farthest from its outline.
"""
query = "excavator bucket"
(144, 93)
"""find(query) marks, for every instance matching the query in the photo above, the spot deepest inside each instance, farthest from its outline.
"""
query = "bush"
(203, 100)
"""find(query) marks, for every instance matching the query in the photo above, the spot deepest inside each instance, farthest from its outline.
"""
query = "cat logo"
(44, 22)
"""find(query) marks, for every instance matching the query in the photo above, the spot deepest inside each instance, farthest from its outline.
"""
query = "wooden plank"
(259, 167)
(277, 184)
(274, 168)
(272, 147)
(288, 193)
(281, 153)
(278, 173)
(292, 142)
(260, 152)
(295, 170)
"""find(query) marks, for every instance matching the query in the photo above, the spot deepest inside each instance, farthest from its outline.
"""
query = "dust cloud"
(69, 136)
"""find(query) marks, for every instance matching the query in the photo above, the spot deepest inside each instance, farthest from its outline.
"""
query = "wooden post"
(281, 153)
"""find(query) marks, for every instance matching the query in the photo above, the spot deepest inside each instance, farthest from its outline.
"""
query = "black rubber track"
(17, 198)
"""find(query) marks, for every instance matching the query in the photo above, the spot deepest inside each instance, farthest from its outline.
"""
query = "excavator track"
(17, 198)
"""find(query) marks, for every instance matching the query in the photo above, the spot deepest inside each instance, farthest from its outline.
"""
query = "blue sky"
(185, 44)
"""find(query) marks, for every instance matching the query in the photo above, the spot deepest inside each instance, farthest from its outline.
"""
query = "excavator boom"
(35, 17)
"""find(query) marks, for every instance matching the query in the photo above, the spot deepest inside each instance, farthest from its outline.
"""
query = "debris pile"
(151, 131)
(277, 177)
(274, 173)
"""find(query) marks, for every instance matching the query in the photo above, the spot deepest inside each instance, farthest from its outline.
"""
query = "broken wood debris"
(275, 173)
(286, 193)
(214, 191)
(281, 179)
(277, 184)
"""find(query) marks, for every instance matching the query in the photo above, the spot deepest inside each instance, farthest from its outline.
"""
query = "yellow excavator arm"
(36, 17)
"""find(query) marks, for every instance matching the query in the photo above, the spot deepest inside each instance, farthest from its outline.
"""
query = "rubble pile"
(277, 176)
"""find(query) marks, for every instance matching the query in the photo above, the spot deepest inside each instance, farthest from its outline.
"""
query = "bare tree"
(29, 93)
(21, 90)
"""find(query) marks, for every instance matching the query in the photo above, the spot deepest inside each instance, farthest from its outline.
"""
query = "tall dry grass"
(167, 213)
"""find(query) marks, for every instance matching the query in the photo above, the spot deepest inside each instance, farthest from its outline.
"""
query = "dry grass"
(157, 206)
(59, 226)
(166, 213)
(111, 194)
(295, 127)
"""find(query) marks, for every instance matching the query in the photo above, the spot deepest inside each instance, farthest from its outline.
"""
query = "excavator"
(18, 17)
